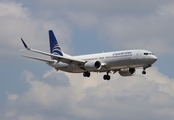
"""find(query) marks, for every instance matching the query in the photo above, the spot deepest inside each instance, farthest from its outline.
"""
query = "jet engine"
(92, 65)
(127, 72)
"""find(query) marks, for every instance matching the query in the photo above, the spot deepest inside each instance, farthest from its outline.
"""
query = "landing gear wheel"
(106, 77)
(86, 74)
(144, 72)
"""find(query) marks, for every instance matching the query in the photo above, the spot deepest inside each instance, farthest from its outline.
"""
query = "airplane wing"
(40, 59)
(56, 57)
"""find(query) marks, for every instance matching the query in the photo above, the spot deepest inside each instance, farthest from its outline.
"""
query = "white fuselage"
(111, 61)
(123, 61)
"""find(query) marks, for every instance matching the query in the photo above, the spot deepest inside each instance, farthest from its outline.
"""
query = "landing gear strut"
(86, 74)
(107, 76)
(144, 68)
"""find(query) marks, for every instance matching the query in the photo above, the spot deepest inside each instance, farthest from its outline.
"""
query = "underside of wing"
(40, 59)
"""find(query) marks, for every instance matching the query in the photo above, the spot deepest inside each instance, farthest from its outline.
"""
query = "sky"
(32, 90)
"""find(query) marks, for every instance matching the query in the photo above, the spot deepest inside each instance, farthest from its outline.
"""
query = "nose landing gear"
(144, 68)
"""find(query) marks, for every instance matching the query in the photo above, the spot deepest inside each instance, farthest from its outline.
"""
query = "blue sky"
(32, 90)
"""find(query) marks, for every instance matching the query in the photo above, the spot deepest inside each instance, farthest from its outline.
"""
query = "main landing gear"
(144, 68)
(86, 74)
(107, 76)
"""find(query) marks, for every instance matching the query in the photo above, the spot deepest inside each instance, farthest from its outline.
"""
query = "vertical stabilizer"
(54, 45)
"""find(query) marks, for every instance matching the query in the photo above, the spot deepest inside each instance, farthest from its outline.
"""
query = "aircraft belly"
(72, 69)
(111, 64)
(66, 67)
(127, 63)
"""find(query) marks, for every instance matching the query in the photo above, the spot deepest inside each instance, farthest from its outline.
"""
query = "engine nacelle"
(92, 65)
(127, 72)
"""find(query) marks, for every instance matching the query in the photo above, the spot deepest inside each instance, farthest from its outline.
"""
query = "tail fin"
(54, 46)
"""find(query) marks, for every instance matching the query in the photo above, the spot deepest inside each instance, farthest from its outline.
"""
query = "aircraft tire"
(106, 77)
(86, 74)
(144, 72)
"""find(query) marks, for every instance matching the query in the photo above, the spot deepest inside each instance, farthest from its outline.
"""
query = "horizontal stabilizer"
(40, 59)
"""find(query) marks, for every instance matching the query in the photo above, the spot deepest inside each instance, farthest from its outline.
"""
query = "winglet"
(25, 45)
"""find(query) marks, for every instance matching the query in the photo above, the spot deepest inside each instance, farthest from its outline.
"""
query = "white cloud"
(150, 32)
(11, 96)
(94, 98)
(12, 9)
(142, 24)
(17, 21)
(167, 10)
(10, 113)
(124, 24)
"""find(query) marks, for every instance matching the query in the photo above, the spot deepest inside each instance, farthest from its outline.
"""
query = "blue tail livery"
(54, 46)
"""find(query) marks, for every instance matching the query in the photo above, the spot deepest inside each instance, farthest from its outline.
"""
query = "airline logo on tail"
(57, 50)
(54, 46)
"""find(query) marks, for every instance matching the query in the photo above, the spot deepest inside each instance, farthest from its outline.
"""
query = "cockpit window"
(148, 54)
(151, 54)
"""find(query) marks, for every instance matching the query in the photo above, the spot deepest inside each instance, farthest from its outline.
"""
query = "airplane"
(124, 62)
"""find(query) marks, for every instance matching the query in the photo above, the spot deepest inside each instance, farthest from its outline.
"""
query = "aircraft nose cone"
(154, 58)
